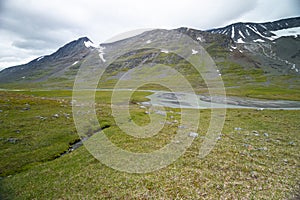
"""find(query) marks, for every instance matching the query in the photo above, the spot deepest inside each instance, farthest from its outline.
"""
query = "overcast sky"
(32, 28)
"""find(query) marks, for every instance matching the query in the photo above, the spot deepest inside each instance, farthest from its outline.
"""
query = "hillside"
(260, 56)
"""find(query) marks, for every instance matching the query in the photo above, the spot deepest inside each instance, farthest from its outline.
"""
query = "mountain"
(260, 32)
(249, 56)
(274, 44)
(66, 59)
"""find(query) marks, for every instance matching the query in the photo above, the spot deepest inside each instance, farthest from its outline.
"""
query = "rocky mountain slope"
(260, 32)
(64, 60)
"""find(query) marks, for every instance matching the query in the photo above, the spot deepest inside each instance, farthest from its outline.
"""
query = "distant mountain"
(247, 54)
(43, 68)
(260, 32)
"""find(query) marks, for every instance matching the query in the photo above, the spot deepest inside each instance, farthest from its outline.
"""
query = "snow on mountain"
(287, 32)
(101, 53)
(48, 66)
(90, 44)
(40, 58)
(260, 32)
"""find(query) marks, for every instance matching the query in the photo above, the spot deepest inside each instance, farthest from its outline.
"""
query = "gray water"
(185, 100)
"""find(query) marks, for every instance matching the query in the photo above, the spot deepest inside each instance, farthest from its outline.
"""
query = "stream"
(185, 100)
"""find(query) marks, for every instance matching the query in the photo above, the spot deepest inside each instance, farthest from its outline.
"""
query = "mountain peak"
(84, 39)
(87, 42)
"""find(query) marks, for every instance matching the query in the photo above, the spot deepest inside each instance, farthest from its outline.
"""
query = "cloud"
(37, 27)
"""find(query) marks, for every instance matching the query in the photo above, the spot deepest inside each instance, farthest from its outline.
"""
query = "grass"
(265, 92)
(30, 131)
(260, 161)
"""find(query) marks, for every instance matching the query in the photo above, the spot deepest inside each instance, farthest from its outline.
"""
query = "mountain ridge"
(63, 57)
(239, 63)
(249, 32)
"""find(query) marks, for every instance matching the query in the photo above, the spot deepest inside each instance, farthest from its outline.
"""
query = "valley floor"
(255, 157)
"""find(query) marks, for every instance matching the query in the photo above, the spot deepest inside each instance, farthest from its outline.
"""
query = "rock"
(181, 126)
(67, 115)
(143, 107)
(18, 131)
(254, 174)
(266, 134)
(12, 140)
(56, 116)
(248, 146)
(73, 102)
(193, 134)
(292, 143)
(1, 111)
(255, 133)
(146, 112)
(259, 109)
(237, 128)
(27, 107)
(159, 112)
(171, 116)
(175, 121)
(262, 148)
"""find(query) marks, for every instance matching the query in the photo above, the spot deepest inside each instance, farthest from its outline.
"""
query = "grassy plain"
(257, 156)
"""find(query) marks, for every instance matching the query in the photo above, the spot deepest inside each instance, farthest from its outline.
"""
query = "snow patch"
(240, 40)
(233, 47)
(194, 52)
(294, 66)
(199, 39)
(89, 44)
(263, 26)
(164, 51)
(101, 53)
(148, 41)
(287, 32)
(40, 58)
(256, 31)
(258, 40)
(247, 32)
(241, 34)
(232, 32)
(75, 62)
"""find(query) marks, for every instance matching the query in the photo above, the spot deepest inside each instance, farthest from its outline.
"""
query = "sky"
(32, 28)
